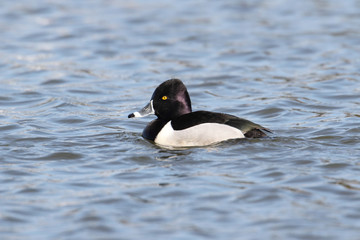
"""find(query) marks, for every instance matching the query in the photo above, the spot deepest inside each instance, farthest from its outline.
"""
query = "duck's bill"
(147, 110)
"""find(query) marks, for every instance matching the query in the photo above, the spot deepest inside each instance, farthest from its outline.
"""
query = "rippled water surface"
(73, 166)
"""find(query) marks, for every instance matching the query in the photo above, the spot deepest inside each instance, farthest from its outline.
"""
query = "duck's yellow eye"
(164, 98)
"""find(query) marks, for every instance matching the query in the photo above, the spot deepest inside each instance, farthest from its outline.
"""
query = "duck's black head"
(169, 101)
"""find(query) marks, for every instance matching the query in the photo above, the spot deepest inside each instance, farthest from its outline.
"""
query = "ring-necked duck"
(178, 126)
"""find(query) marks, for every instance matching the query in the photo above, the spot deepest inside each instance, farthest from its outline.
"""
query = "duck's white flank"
(199, 135)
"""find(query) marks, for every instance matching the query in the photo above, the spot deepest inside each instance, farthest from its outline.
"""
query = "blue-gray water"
(72, 166)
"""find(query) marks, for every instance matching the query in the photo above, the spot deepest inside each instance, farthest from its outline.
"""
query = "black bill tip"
(131, 115)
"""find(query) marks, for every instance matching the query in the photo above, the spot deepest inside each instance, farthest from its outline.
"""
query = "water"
(72, 166)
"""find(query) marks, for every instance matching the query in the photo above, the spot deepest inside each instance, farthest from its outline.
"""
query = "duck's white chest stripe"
(199, 135)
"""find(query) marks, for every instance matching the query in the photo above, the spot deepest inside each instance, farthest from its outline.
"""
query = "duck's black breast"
(152, 129)
(248, 128)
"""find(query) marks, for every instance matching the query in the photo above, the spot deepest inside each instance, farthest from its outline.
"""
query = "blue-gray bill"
(147, 110)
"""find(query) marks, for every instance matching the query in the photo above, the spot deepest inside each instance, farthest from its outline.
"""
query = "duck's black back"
(250, 129)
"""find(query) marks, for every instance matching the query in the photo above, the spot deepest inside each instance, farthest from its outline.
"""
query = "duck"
(177, 125)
